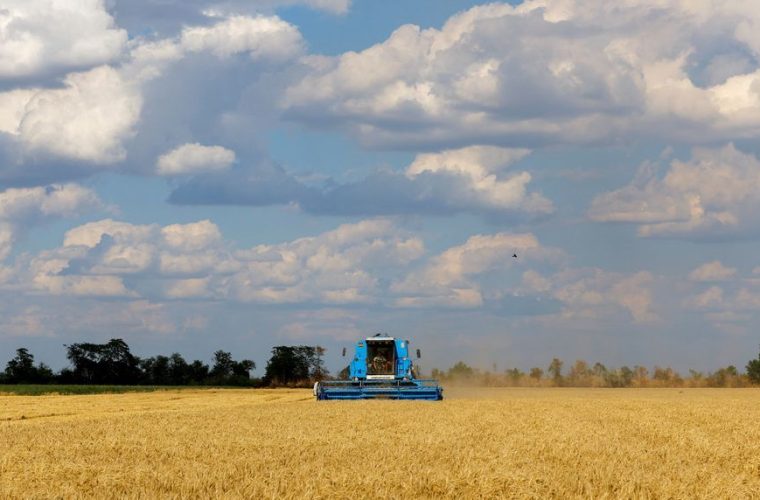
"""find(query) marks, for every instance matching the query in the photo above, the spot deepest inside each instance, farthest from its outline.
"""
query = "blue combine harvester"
(381, 369)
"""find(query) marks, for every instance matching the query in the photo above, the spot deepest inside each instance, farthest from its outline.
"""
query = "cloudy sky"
(199, 174)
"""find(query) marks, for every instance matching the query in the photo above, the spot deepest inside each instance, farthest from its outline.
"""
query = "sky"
(194, 175)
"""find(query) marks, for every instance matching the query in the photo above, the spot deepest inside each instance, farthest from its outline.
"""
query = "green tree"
(227, 371)
(555, 370)
(461, 370)
(514, 375)
(198, 372)
(21, 370)
(223, 362)
(289, 365)
(318, 370)
(536, 373)
(599, 369)
(109, 363)
(179, 370)
(753, 370)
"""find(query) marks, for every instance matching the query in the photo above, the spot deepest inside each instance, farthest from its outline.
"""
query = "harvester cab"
(380, 369)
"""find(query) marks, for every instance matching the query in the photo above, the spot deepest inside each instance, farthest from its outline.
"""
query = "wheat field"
(488, 443)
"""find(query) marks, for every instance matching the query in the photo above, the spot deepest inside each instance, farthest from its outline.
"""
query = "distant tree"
(223, 364)
(198, 372)
(179, 370)
(289, 365)
(724, 377)
(514, 375)
(109, 363)
(579, 373)
(662, 374)
(555, 370)
(536, 373)
(460, 370)
(696, 375)
(21, 370)
(753, 370)
(640, 375)
(599, 369)
(156, 370)
(227, 371)
(626, 376)
(318, 370)
(241, 372)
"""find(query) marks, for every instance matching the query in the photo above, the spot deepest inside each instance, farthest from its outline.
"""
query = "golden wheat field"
(521, 443)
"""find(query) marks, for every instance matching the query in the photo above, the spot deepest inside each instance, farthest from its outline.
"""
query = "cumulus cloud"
(369, 263)
(475, 179)
(712, 194)
(596, 293)
(448, 279)
(87, 119)
(726, 299)
(712, 271)
(6, 240)
(167, 17)
(194, 158)
(93, 113)
(57, 316)
(545, 72)
(478, 168)
(338, 266)
(41, 36)
(265, 37)
(24, 207)
(182, 261)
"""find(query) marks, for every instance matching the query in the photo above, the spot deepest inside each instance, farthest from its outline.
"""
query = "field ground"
(238, 443)
(40, 389)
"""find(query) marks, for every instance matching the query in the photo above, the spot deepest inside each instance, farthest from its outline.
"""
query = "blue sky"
(209, 174)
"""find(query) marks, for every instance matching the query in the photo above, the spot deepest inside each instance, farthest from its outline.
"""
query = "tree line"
(582, 374)
(113, 363)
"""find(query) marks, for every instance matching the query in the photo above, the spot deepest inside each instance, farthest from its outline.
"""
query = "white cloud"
(187, 288)
(38, 36)
(368, 262)
(335, 267)
(594, 293)
(6, 240)
(193, 260)
(712, 271)
(337, 324)
(448, 279)
(21, 208)
(332, 6)
(714, 193)
(193, 236)
(479, 170)
(90, 235)
(708, 299)
(194, 158)
(262, 37)
(547, 72)
(26, 323)
(82, 286)
(93, 113)
(86, 120)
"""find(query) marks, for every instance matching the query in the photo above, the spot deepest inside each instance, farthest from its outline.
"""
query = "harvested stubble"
(600, 443)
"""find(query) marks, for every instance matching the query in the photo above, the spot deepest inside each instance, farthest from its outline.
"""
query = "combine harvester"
(381, 369)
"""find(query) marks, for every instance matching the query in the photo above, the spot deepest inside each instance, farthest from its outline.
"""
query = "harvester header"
(381, 368)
